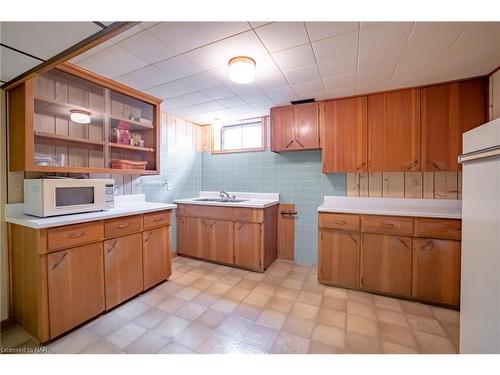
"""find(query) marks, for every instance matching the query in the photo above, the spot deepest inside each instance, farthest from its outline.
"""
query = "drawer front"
(156, 219)
(72, 235)
(122, 225)
(387, 224)
(339, 221)
(440, 228)
(209, 212)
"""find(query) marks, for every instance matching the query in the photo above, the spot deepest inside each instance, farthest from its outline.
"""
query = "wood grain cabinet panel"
(156, 219)
(339, 221)
(123, 268)
(74, 235)
(196, 237)
(156, 256)
(339, 257)
(394, 131)
(282, 128)
(247, 245)
(436, 270)
(344, 135)
(220, 240)
(180, 223)
(306, 127)
(448, 111)
(75, 286)
(386, 263)
(438, 228)
(387, 224)
(121, 226)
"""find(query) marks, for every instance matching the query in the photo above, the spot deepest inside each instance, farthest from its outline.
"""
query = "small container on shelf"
(128, 164)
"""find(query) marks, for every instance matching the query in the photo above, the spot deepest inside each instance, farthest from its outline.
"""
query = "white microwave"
(50, 197)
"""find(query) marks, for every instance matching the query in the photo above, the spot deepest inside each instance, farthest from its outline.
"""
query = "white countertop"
(252, 200)
(124, 205)
(437, 208)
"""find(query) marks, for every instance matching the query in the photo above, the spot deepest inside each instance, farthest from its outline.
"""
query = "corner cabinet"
(295, 127)
(121, 137)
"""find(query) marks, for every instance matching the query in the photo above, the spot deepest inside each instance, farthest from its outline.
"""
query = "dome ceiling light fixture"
(242, 69)
(80, 117)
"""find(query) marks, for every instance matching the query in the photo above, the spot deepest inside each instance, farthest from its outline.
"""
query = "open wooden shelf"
(136, 125)
(67, 138)
(130, 147)
(54, 169)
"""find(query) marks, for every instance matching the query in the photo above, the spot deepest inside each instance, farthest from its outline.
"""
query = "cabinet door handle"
(212, 224)
(289, 144)
(387, 225)
(301, 145)
(240, 225)
(434, 164)
(428, 245)
(340, 222)
(110, 249)
(59, 261)
(412, 164)
(353, 239)
(361, 166)
(76, 235)
(123, 226)
(451, 229)
(157, 219)
(403, 243)
(148, 236)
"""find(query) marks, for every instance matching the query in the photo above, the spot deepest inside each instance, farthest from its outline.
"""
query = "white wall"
(495, 95)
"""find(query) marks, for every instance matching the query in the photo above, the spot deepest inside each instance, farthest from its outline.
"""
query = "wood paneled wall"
(428, 185)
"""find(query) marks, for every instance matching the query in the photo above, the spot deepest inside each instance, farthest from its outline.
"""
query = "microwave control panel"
(110, 194)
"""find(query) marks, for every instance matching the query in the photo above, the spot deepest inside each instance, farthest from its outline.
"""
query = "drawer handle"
(148, 236)
(59, 261)
(361, 166)
(157, 219)
(340, 222)
(110, 249)
(451, 229)
(240, 225)
(403, 243)
(428, 245)
(76, 235)
(123, 226)
(289, 144)
(353, 239)
(434, 164)
(387, 225)
(412, 164)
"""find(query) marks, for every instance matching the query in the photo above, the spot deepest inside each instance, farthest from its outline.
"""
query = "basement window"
(239, 137)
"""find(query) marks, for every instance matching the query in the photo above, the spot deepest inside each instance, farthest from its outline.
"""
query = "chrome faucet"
(223, 193)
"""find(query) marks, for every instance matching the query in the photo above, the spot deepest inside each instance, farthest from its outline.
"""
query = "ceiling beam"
(75, 50)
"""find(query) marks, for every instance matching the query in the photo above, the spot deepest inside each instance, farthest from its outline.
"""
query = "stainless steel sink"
(221, 200)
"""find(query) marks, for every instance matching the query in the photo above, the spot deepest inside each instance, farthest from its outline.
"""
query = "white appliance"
(480, 289)
(50, 197)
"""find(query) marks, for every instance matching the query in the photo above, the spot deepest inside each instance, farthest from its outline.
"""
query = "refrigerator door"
(480, 282)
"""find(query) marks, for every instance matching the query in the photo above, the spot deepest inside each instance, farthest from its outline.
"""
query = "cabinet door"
(282, 128)
(123, 268)
(75, 286)
(193, 233)
(156, 256)
(306, 127)
(447, 112)
(180, 234)
(436, 270)
(339, 257)
(394, 131)
(386, 263)
(247, 245)
(221, 244)
(344, 134)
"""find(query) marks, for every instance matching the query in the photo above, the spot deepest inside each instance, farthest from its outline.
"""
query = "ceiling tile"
(45, 39)
(338, 82)
(322, 30)
(147, 25)
(147, 47)
(258, 24)
(338, 93)
(218, 92)
(231, 101)
(171, 89)
(378, 60)
(145, 77)
(253, 95)
(307, 88)
(218, 54)
(271, 80)
(281, 35)
(294, 57)
(385, 37)
(243, 109)
(179, 67)
(181, 36)
(364, 25)
(343, 65)
(13, 64)
(336, 47)
(219, 30)
(201, 81)
(112, 62)
(189, 99)
(281, 95)
(302, 74)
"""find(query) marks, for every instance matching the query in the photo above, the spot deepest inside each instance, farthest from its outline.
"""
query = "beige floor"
(208, 308)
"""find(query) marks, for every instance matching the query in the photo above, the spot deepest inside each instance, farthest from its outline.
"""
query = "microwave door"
(74, 197)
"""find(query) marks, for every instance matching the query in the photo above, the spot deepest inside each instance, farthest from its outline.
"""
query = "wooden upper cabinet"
(43, 138)
(344, 135)
(295, 127)
(394, 131)
(75, 286)
(448, 111)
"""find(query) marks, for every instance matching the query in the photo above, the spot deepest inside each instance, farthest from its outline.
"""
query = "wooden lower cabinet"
(339, 257)
(220, 241)
(195, 238)
(386, 263)
(156, 257)
(181, 237)
(75, 286)
(247, 245)
(123, 268)
(436, 270)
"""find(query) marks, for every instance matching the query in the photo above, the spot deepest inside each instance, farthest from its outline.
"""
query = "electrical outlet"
(168, 186)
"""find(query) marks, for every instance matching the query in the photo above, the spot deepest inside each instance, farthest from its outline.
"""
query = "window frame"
(241, 123)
